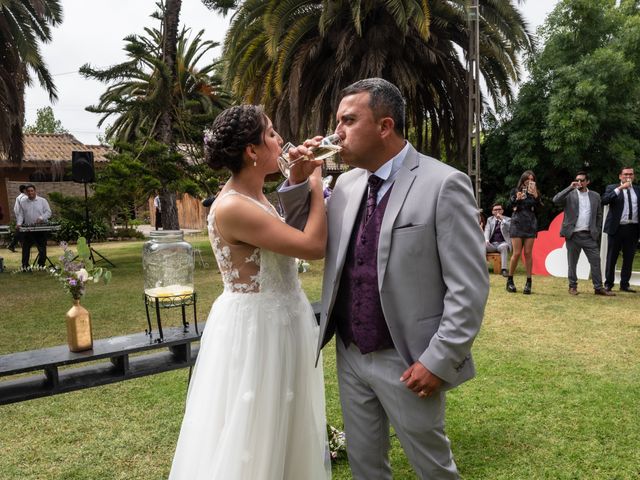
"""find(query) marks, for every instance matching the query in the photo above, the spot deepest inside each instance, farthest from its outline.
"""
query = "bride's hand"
(315, 179)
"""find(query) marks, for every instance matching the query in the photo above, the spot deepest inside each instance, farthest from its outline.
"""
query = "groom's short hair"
(385, 99)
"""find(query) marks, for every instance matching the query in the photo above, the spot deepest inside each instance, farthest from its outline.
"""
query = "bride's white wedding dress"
(255, 406)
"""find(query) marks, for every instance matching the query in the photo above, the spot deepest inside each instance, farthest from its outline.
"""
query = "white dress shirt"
(33, 211)
(624, 219)
(584, 212)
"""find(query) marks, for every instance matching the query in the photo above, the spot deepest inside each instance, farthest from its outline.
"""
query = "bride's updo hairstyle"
(232, 130)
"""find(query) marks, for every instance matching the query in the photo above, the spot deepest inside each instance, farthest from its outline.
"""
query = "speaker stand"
(92, 250)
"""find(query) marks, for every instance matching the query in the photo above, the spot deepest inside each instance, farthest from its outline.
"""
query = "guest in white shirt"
(581, 227)
(158, 206)
(17, 236)
(33, 210)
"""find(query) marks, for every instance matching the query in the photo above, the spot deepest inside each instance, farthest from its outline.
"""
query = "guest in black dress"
(525, 198)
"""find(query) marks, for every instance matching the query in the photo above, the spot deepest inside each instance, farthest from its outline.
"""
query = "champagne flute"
(329, 146)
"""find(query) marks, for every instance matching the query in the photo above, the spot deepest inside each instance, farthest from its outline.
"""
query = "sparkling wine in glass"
(329, 146)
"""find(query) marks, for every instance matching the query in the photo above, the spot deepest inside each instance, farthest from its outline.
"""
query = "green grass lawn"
(557, 394)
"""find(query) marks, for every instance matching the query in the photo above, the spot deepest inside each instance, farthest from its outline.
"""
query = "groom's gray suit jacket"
(432, 275)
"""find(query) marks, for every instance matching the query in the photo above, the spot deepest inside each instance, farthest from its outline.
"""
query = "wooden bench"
(494, 260)
(113, 363)
(54, 370)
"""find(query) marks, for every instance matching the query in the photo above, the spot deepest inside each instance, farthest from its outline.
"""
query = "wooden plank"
(104, 373)
(117, 366)
(21, 362)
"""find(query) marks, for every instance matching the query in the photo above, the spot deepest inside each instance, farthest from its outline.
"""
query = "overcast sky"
(92, 32)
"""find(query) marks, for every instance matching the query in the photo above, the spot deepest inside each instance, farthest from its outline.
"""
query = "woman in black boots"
(525, 198)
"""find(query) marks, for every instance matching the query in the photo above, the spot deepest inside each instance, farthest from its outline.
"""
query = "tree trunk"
(169, 49)
(169, 210)
(165, 124)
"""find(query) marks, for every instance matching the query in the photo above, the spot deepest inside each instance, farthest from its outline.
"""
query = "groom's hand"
(302, 169)
(420, 380)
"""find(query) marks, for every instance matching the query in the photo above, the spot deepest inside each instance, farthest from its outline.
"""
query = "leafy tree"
(296, 56)
(581, 107)
(125, 182)
(71, 215)
(23, 25)
(45, 123)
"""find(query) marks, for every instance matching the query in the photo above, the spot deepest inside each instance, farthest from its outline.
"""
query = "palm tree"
(148, 104)
(139, 94)
(23, 24)
(170, 25)
(295, 57)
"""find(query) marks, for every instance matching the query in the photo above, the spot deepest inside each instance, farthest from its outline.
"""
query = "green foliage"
(127, 233)
(295, 57)
(71, 215)
(125, 182)
(24, 24)
(581, 107)
(45, 123)
(140, 89)
(71, 230)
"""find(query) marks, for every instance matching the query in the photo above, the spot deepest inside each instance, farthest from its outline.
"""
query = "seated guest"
(496, 235)
(33, 210)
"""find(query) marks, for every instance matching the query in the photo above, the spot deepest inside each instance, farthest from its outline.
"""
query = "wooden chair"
(494, 260)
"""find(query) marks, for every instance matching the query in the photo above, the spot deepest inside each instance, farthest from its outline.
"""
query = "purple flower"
(73, 282)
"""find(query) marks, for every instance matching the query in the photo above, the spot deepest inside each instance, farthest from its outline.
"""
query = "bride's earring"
(254, 162)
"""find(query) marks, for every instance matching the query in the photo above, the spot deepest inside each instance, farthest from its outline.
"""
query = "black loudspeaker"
(82, 167)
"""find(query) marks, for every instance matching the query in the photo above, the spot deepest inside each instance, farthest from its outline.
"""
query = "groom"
(405, 285)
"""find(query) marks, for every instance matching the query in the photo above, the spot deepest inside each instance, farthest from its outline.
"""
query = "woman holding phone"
(525, 198)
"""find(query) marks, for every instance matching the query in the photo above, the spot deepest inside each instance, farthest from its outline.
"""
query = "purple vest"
(357, 310)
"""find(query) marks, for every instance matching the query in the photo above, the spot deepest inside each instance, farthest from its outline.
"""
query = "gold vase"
(79, 335)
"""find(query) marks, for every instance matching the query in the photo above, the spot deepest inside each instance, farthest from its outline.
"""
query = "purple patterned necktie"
(374, 185)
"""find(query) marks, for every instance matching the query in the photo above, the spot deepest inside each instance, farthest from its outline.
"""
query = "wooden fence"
(191, 213)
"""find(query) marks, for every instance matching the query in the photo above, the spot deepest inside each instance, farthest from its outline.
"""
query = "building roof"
(49, 147)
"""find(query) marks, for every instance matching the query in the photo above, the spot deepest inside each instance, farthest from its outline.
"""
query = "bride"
(255, 406)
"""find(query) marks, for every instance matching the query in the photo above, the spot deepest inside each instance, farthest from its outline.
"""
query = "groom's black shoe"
(627, 289)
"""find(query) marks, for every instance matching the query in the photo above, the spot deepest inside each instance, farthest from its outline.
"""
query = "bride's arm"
(240, 220)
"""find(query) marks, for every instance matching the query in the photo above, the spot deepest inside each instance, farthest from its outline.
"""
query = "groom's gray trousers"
(372, 396)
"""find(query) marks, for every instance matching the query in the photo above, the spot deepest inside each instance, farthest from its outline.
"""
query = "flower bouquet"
(74, 273)
(76, 270)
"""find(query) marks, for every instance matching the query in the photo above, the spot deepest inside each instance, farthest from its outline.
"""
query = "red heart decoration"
(547, 241)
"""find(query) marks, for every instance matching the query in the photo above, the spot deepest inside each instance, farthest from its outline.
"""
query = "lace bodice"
(247, 269)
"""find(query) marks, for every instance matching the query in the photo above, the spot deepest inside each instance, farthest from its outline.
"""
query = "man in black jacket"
(621, 226)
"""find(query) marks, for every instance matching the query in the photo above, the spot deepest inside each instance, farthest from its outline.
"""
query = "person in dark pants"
(17, 236)
(621, 226)
(33, 210)
(581, 227)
